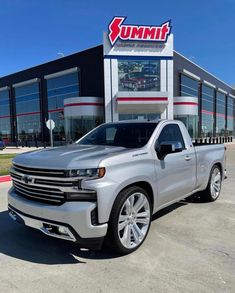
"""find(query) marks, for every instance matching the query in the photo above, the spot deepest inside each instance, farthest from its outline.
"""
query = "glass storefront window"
(28, 113)
(5, 119)
(5, 129)
(207, 111)
(191, 123)
(58, 89)
(27, 99)
(76, 127)
(28, 128)
(139, 116)
(137, 75)
(188, 86)
(230, 115)
(220, 114)
(59, 130)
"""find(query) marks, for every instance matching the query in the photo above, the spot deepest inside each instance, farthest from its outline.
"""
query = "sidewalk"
(19, 150)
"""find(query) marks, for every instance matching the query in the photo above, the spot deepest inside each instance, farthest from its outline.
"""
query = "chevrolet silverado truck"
(110, 182)
(138, 81)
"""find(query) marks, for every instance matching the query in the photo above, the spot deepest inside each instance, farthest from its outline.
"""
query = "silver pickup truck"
(110, 182)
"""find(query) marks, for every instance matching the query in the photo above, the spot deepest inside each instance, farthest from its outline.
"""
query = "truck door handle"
(187, 158)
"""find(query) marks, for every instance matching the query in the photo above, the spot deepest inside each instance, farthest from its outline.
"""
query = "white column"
(107, 91)
(170, 87)
(114, 88)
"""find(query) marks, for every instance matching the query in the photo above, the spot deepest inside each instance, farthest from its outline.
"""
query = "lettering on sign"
(117, 30)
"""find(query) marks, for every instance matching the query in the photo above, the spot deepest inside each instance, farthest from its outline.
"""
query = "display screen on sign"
(126, 32)
(138, 75)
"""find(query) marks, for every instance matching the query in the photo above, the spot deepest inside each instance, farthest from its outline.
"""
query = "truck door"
(176, 173)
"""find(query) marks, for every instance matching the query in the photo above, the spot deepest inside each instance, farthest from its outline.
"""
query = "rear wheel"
(130, 220)
(212, 191)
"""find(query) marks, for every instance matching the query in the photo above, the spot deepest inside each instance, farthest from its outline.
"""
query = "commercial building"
(135, 74)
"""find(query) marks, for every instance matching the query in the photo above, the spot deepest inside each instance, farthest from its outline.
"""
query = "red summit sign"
(128, 32)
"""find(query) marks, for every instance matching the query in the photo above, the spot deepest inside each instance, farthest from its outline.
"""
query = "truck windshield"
(128, 135)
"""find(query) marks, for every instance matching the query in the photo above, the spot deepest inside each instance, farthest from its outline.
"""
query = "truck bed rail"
(212, 140)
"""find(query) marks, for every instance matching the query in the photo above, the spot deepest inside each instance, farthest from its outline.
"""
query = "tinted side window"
(170, 133)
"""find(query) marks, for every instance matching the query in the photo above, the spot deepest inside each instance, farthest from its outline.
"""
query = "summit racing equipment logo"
(137, 33)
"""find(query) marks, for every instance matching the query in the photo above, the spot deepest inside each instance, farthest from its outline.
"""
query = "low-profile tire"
(130, 220)
(212, 191)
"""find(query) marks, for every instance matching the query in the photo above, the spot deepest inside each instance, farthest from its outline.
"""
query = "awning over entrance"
(141, 102)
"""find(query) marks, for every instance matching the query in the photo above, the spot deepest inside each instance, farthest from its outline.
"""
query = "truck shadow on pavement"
(28, 244)
(168, 209)
(193, 199)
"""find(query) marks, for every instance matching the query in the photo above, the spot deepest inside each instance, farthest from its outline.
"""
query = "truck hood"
(68, 157)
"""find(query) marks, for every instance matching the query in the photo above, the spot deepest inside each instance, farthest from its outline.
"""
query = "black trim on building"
(199, 109)
(214, 109)
(226, 112)
(12, 113)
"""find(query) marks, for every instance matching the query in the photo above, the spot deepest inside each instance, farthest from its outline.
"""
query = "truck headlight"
(94, 173)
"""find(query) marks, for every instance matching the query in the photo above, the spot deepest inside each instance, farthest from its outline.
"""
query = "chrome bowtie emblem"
(27, 179)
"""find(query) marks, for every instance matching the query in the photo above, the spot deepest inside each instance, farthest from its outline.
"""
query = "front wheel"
(212, 191)
(130, 220)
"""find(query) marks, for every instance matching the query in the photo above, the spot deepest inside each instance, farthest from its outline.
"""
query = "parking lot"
(190, 248)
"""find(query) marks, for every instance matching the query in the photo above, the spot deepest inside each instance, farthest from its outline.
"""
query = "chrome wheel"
(134, 220)
(215, 184)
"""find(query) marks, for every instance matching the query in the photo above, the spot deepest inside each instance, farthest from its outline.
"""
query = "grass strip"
(5, 163)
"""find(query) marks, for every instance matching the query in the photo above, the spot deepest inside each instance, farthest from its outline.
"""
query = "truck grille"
(41, 185)
(52, 196)
(39, 172)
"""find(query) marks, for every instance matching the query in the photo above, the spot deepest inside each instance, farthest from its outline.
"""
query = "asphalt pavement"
(190, 248)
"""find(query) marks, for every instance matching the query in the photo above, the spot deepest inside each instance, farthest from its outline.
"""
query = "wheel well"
(146, 186)
(220, 166)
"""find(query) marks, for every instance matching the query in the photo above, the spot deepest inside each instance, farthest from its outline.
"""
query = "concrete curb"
(5, 178)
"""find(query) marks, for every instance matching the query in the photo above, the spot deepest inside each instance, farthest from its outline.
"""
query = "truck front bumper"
(70, 221)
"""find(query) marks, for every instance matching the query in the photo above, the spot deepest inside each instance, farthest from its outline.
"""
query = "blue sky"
(34, 31)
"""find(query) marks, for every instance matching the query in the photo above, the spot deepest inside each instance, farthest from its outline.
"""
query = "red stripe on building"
(6, 178)
(56, 110)
(30, 113)
(84, 104)
(142, 99)
(219, 114)
(207, 112)
(186, 103)
(5, 117)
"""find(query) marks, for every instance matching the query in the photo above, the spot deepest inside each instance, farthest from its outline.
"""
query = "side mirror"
(167, 148)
